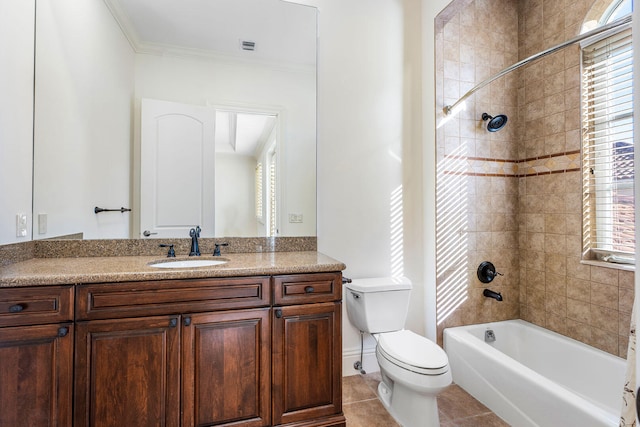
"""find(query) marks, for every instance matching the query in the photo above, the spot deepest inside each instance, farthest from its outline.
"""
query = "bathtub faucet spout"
(491, 294)
(489, 335)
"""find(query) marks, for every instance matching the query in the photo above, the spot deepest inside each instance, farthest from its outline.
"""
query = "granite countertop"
(57, 271)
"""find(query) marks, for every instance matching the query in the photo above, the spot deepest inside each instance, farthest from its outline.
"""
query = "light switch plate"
(21, 225)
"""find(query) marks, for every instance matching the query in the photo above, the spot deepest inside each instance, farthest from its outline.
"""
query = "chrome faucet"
(194, 233)
(489, 335)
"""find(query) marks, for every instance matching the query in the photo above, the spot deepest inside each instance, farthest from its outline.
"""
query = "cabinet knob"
(62, 332)
(17, 308)
(278, 313)
(187, 321)
(173, 322)
(309, 289)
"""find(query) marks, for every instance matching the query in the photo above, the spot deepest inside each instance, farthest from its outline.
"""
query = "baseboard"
(349, 358)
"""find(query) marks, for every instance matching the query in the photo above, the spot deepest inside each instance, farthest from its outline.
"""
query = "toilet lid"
(413, 352)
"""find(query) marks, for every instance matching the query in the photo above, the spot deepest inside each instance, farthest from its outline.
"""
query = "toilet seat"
(413, 352)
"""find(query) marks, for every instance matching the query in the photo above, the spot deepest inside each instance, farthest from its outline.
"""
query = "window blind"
(608, 150)
(258, 186)
(273, 226)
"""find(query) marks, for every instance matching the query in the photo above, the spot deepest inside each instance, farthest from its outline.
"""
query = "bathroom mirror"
(97, 60)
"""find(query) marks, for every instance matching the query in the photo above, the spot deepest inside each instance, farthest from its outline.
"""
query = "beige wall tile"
(626, 279)
(604, 318)
(579, 311)
(531, 227)
(604, 295)
(625, 302)
(556, 284)
(578, 330)
(579, 289)
(605, 275)
(578, 270)
(604, 340)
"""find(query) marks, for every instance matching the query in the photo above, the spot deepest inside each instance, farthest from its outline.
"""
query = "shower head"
(495, 123)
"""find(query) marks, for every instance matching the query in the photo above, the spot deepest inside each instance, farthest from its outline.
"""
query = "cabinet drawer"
(131, 299)
(307, 288)
(36, 306)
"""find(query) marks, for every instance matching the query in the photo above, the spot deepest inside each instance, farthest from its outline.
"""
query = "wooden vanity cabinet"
(307, 350)
(36, 356)
(243, 351)
(178, 367)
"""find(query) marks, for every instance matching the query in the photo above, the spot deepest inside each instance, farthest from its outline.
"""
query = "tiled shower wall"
(477, 195)
(515, 197)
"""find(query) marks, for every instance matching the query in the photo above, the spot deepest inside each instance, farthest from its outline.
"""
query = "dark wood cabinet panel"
(132, 299)
(306, 366)
(307, 288)
(226, 373)
(36, 306)
(128, 372)
(36, 368)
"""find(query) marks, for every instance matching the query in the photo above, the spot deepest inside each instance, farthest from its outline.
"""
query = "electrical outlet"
(42, 223)
(21, 225)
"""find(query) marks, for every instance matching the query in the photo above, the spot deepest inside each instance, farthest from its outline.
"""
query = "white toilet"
(414, 369)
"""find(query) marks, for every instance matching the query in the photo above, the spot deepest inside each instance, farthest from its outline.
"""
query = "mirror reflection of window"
(258, 191)
(272, 187)
(246, 138)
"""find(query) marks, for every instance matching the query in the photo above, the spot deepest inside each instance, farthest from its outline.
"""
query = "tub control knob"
(487, 272)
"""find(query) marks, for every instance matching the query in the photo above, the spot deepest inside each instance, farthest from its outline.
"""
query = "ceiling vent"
(247, 45)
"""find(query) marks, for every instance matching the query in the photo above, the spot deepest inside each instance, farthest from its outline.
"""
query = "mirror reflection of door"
(177, 173)
(180, 187)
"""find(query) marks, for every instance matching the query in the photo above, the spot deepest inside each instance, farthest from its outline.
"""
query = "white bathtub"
(531, 376)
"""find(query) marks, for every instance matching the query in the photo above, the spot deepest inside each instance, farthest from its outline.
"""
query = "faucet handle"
(216, 251)
(171, 253)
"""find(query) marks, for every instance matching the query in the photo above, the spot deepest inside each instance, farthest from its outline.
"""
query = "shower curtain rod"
(615, 24)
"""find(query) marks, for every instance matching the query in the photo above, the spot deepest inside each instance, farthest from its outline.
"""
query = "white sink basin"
(188, 263)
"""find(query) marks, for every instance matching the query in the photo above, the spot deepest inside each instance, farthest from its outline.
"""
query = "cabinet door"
(226, 373)
(128, 372)
(307, 350)
(36, 368)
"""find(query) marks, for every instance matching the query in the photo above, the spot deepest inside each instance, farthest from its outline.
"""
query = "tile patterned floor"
(457, 408)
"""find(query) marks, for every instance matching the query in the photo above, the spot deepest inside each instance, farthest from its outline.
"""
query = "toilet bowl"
(414, 369)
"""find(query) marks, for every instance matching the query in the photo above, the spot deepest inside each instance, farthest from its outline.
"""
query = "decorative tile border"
(569, 161)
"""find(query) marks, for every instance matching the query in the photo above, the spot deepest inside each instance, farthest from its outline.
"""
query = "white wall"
(372, 82)
(16, 115)
(84, 91)
(235, 211)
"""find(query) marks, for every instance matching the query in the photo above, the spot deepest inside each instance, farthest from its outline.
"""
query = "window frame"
(600, 189)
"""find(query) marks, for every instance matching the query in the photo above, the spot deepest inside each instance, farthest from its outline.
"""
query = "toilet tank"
(378, 305)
